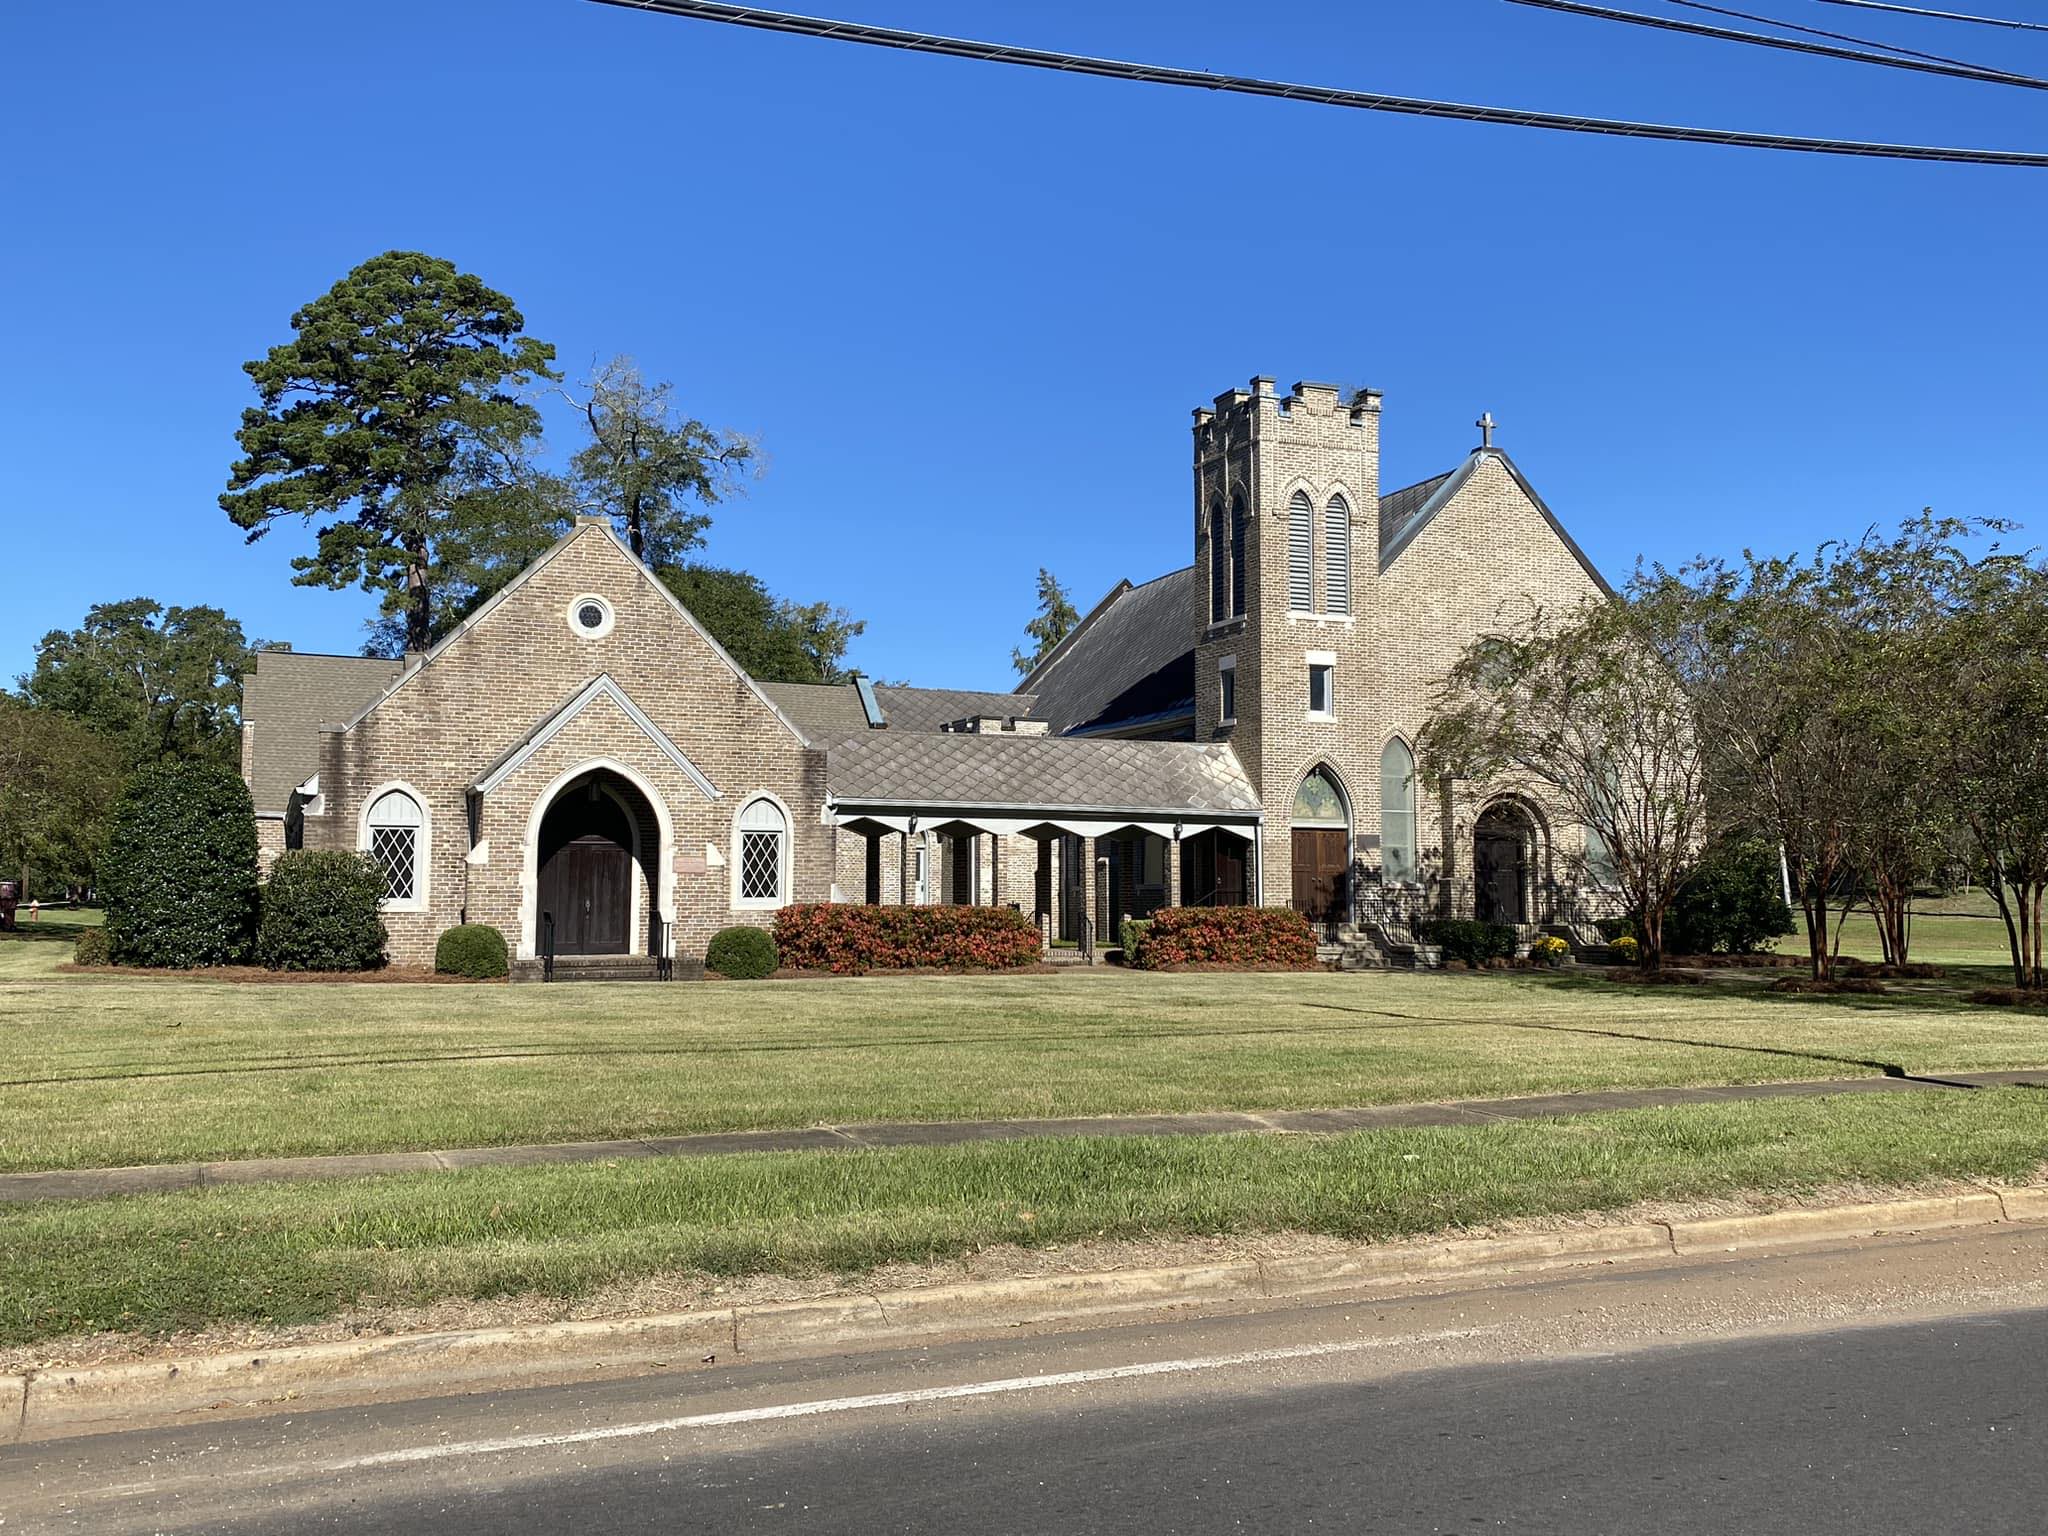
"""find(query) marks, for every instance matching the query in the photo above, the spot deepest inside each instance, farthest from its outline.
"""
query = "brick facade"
(501, 675)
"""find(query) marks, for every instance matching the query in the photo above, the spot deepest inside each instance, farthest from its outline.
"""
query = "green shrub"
(1732, 904)
(741, 954)
(91, 948)
(179, 873)
(1131, 935)
(475, 950)
(1473, 943)
(320, 913)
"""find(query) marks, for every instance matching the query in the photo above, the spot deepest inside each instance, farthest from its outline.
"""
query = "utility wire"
(1840, 37)
(1321, 95)
(1791, 44)
(1914, 10)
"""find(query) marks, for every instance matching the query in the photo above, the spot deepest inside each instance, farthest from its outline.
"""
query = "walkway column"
(1090, 902)
(995, 869)
(1173, 870)
(904, 892)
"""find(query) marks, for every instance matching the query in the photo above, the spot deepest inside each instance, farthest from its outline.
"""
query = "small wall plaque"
(691, 864)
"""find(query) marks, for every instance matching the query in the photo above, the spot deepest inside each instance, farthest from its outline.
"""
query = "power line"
(1914, 10)
(1957, 71)
(1840, 37)
(1321, 95)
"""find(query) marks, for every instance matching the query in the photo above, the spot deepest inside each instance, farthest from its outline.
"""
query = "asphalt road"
(1887, 1387)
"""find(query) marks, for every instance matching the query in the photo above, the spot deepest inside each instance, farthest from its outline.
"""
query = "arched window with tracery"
(395, 837)
(761, 855)
(1397, 812)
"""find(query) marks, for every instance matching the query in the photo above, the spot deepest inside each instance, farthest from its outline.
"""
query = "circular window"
(591, 617)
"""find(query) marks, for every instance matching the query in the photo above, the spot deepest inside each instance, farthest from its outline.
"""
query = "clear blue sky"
(967, 309)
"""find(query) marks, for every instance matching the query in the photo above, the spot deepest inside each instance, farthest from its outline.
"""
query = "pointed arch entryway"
(1321, 847)
(597, 852)
(1505, 862)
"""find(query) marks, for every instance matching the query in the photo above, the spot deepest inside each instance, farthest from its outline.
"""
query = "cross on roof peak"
(1486, 424)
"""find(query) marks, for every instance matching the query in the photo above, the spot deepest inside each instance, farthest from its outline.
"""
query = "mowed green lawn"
(99, 1071)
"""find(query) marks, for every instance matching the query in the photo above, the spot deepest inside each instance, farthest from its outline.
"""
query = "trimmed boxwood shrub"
(179, 875)
(741, 954)
(320, 913)
(475, 950)
(91, 948)
(1244, 938)
(853, 940)
(1473, 943)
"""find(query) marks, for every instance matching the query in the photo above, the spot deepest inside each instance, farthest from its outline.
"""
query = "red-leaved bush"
(853, 940)
(1244, 937)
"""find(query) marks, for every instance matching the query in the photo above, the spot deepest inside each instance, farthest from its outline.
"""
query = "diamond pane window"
(395, 823)
(763, 839)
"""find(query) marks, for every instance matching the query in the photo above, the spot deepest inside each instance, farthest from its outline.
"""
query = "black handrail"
(547, 946)
(662, 940)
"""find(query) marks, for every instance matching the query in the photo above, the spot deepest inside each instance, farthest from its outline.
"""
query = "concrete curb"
(94, 1399)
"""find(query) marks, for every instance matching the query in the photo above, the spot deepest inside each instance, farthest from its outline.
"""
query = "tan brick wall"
(518, 661)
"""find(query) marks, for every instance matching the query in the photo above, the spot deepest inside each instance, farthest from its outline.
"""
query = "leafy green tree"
(773, 639)
(396, 397)
(1584, 704)
(653, 470)
(164, 682)
(1993, 660)
(1056, 619)
(59, 779)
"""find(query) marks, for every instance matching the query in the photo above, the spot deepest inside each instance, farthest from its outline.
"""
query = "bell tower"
(1286, 552)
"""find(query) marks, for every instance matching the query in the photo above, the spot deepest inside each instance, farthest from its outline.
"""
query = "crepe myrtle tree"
(1581, 703)
(396, 394)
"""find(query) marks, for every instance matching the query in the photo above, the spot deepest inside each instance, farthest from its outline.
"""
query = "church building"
(582, 766)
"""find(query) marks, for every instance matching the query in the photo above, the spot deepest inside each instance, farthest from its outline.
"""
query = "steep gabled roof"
(1407, 512)
(1131, 659)
(287, 696)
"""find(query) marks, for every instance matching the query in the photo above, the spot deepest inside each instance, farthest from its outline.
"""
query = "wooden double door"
(586, 874)
(1322, 876)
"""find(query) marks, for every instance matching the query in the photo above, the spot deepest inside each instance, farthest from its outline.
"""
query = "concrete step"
(593, 968)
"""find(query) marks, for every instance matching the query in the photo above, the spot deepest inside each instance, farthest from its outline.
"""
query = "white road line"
(457, 1448)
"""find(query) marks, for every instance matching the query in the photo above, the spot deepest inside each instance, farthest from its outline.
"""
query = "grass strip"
(300, 1253)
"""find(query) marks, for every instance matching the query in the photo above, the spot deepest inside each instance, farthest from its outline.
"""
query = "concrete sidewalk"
(91, 1183)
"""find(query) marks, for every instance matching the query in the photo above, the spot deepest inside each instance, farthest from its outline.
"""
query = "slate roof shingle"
(831, 712)
(287, 697)
(1039, 773)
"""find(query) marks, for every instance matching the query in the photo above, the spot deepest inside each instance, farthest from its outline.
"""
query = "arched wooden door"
(586, 872)
(1500, 867)
(1321, 847)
